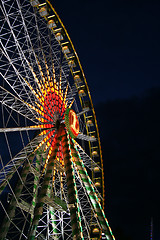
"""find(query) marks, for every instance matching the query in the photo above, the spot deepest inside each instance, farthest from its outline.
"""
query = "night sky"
(118, 43)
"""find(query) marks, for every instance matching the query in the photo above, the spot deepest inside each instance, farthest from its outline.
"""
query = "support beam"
(14, 201)
(91, 193)
(71, 188)
(41, 197)
(12, 166)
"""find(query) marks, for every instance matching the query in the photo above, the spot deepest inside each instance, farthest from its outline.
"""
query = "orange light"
(74, 123)
(50, 100)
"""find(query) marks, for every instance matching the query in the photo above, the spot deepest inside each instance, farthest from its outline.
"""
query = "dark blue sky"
(130, 140)
(118, 43)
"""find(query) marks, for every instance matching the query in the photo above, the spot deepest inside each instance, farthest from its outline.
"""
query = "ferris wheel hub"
(57, 124)
(72, 122)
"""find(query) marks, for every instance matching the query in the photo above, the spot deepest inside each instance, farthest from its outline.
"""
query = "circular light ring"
(71, 122)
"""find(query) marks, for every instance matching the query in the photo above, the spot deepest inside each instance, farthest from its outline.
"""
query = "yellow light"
(96, 169)
(95, 230)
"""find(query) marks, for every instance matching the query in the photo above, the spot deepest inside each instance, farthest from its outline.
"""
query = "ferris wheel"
(51, 168)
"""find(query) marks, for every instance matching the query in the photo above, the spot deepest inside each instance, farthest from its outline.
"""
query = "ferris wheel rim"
(80, 113)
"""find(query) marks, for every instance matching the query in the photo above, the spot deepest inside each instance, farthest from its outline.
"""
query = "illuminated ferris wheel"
(51, 169)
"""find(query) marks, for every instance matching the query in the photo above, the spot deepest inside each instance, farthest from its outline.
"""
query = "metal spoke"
(12, 165)
(22, 129)
(86, 137)
(87, 160)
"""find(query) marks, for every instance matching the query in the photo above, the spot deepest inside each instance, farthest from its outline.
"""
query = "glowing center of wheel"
(72, 123)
